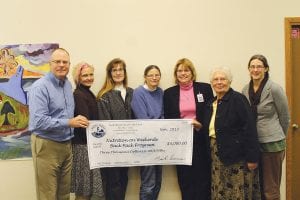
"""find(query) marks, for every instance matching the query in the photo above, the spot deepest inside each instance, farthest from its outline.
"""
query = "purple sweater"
(147, 104)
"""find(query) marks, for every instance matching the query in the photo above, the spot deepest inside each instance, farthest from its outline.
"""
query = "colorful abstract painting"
(20, 66)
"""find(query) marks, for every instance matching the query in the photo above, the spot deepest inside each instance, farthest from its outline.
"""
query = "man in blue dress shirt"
(51, 121)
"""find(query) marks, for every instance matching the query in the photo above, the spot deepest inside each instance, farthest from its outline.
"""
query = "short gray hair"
(224, 70)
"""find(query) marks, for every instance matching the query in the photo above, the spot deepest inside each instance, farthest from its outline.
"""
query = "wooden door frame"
(289, 21)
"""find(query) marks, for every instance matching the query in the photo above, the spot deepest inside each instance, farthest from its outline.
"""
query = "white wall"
(210, 33)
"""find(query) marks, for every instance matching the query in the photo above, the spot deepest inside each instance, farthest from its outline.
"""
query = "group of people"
(238, 140)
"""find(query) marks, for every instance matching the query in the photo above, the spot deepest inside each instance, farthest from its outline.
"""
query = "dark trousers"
(115, 181)
(271, 168)
(194, 181)
(150, 182)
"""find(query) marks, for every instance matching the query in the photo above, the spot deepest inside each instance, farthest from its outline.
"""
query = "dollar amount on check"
(120, 143)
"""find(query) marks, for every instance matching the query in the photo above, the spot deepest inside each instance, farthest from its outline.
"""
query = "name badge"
(200, 97)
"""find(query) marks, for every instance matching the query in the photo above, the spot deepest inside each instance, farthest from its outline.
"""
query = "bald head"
(60, 63)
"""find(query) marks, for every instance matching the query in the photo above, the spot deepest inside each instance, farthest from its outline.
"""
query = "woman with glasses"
(113, 101)
(187, 100)
(233, 141)
(85, 182)
(147, 103)
(270, 108)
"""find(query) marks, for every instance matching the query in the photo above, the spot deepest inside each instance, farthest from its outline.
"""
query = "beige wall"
(210, 33)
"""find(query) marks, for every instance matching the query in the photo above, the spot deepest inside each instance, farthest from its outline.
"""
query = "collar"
(186, 86)
(226, 97)
(147, 88)
(55, 80)
(83, 87)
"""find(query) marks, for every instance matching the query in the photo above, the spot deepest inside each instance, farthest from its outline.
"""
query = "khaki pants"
(52, 163)
(271, 171)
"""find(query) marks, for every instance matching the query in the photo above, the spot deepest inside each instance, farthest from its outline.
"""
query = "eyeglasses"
(185, 71)
(256, 67)
(64, 62)
(221, 79)
(153, 76)
(117, 70)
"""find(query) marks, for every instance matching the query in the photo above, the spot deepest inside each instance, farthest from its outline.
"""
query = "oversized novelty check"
(119, 143)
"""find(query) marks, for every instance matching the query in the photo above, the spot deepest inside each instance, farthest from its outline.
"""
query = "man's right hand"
(79, 122)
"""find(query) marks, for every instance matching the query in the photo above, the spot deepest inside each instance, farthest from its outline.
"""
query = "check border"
(124, 143)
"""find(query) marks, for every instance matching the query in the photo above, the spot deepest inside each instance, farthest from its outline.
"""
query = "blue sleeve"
(40, 116)
(138, 105)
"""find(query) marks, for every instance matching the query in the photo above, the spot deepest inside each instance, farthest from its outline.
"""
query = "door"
(292, 55)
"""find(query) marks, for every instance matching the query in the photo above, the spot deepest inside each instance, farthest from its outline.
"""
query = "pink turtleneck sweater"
(187, 104)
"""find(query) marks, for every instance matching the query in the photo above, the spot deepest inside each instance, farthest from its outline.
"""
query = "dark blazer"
(111, 105)
(194, 181)
(85, 104)
(171, 101)
(236, 133)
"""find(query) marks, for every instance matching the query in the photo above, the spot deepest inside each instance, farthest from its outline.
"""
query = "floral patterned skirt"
(85, 182)
(232, 182)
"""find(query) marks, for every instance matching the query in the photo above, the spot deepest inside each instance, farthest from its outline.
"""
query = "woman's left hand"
(252, 166)
(197, 125)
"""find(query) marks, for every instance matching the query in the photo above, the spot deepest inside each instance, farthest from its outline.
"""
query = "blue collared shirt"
(51, 105)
